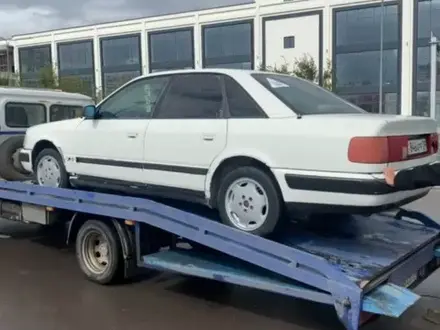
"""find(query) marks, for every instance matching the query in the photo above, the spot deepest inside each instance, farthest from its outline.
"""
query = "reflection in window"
(134, 101)
(120, 61)
(32, 60)
(228, 46)
(428, 13)
(351, 74)
(23, 115)
(357, 56)
(61, 112)
(360, 28)
(170, 50)
(195, 96)
(75, 62)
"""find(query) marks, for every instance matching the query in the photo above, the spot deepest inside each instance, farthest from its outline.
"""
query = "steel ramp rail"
(387, 299)
(292, 261)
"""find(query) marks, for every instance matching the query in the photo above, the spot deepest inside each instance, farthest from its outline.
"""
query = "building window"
(228, 46)
(31, 61)
(120, 61)
(75, 67)
(427, 13)
(289, 42)
(357, 40)
(169, 50)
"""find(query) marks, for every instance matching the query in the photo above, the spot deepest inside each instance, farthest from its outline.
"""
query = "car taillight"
(386, 149)
(433, 142)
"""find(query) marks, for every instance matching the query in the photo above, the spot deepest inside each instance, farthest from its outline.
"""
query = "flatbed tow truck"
(363, 266)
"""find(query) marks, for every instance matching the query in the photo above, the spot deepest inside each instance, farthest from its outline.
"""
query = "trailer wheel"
(99, 252)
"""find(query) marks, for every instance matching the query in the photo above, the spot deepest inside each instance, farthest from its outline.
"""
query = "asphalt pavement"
(41, 288)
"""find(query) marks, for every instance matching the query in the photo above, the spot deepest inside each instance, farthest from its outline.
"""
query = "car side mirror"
(90, 112)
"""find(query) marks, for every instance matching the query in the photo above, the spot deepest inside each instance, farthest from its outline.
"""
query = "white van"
(21, 108)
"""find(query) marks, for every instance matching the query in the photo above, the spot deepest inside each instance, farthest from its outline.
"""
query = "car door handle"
(208, 137)
(132, 135)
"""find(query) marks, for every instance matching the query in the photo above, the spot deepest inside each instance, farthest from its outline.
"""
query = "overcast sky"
(24, 16)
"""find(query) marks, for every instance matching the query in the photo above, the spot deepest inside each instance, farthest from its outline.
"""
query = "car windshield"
(305, 97)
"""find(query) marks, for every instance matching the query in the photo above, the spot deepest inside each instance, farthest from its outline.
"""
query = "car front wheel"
(49, 169)
(248, 200)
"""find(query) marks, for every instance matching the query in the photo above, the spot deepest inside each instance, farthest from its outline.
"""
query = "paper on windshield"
(276, 84)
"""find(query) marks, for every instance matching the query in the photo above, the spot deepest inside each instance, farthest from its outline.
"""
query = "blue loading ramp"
(355, 263)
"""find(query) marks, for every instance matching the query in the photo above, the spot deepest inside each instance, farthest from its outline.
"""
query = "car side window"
(240, 103)
(23, 115)
(62, 112)
(135, 101)
(192, 96)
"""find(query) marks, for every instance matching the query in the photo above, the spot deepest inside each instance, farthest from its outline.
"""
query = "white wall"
(306, 30)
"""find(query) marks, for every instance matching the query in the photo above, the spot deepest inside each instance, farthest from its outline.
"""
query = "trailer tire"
(9, 169)
(99, 252)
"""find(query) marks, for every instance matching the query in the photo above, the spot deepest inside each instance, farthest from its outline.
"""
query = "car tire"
(49, 169)
(102, 263)
(262, 200)
(9, 169)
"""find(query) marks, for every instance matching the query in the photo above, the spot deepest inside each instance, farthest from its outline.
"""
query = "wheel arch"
(233, 161)
(44, 144)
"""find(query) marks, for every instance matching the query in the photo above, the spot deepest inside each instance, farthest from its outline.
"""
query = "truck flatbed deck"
(358, 264)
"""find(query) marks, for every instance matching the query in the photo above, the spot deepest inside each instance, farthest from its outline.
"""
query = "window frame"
(32, 76)
(24, 103)
(226, 113)
(205, 61)
(131, 83)
(117, 68)
(418, 43)
(90, 72)
(164, 66)
(387, 46)
(165, 91)
(289, 42)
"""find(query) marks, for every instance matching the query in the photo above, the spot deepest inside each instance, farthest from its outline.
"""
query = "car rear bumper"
(25, 159)
(341, 192)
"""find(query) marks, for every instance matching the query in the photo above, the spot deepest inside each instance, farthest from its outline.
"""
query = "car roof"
(41, 92)
(229, 72)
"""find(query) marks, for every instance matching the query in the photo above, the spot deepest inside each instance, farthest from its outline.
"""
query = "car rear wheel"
(248, 199)
(49, 169)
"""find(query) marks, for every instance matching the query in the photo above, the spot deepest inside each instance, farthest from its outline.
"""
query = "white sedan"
(250, 144)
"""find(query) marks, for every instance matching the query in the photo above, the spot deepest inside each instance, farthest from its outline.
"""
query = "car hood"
(54, 126)
(49, 131)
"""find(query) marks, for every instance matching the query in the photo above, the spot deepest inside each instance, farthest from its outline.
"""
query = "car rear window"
(305, 97)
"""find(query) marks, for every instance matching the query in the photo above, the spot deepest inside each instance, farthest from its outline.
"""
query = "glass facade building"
(366, 65)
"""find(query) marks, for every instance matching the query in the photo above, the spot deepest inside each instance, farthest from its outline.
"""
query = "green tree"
(327, 76)
(47, 78)
(304, 67)
(73, 84)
